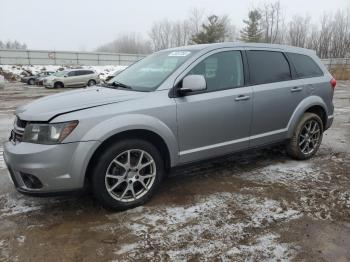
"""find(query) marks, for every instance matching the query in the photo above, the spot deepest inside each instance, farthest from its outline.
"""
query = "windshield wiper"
(118, 84)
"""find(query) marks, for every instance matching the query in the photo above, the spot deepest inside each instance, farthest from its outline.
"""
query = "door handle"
(296, 89)
(242, 98)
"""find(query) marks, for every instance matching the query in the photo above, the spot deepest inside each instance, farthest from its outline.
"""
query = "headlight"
(48, 134)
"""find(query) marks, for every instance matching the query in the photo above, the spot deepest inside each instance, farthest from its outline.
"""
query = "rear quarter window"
(268, 67)
(304, 65)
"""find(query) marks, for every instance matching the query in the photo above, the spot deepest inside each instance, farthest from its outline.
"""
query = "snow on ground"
(14, 204)
(283, 173)
(209, 227)
(21, 70)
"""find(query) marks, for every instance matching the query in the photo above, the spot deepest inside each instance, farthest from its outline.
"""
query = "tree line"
(329, 36)
(12, 45)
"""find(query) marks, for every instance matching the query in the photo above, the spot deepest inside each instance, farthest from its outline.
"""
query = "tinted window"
(304, 65)
(80, 72)
(268, 67)
(72, 73)
(221, 71)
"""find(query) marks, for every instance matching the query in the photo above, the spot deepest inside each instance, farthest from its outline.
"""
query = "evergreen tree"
(213, 31)
(252, 32)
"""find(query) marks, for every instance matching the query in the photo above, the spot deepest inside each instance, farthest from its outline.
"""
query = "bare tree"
(196, 20)
(13, 45)
(160, 35)
(271, 22)
(325, 36)
(127, 43)
(340, 42)
(313, 38)
(298, 31)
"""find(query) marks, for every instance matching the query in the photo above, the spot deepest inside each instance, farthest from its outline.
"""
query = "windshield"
(60, 73)
(147, 74)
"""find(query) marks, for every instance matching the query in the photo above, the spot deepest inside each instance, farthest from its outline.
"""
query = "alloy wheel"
(309, 138)
(130, 175)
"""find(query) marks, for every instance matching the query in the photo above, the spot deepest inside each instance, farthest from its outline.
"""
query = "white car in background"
(72, 78)
(2, 81)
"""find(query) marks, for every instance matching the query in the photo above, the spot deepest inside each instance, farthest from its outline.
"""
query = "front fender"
(127, 122)
(300, 110)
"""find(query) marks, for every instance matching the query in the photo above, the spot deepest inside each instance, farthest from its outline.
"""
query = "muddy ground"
(258, 205)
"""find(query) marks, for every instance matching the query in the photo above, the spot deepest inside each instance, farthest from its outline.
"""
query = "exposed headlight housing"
(48, 134)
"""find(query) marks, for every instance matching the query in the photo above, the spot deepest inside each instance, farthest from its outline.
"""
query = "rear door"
(276, 95)
(71, 79)
(215, 121)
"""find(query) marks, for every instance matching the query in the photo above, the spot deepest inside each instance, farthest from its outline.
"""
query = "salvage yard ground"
(258, 205)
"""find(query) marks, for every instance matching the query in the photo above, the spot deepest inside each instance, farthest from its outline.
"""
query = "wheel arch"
(58, 82)
(312, 104)
(143, 134)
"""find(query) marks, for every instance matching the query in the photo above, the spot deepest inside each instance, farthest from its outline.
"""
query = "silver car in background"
(72, 78)
(172, 108)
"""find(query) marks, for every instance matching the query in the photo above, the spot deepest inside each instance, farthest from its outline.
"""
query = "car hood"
(46, 108)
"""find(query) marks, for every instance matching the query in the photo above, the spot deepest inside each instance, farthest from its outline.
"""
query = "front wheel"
(31, 82)
(91, 83)
(58, 85)
(307, 137)
(127, 174)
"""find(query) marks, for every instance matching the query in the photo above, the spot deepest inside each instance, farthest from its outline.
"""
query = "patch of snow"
(126, 248)
(210, 227)
(266, 245)
(10, 205)
(21, 239)
(285, 173)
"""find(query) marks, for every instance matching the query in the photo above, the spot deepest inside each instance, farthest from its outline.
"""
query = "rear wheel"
(31, 82)
(127, 174)
(307, 137)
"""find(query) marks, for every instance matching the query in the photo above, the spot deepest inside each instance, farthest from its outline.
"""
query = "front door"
(216, 121)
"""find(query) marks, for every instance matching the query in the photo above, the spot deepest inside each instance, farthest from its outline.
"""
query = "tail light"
(333, 83)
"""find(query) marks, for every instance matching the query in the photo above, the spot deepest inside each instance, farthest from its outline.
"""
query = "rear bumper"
(60, 168)
(329, 121)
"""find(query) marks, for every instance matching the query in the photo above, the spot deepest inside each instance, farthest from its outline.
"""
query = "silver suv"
(72, 78)
(172, 108)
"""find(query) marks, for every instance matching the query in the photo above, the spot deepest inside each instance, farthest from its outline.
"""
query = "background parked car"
(40, 80)
(72, 78)
(30, 80)
(2, 81)
(113, 74)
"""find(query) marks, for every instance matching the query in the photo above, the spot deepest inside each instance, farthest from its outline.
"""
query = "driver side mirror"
(193, 83)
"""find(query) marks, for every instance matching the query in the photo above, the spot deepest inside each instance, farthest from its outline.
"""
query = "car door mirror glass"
(193, 83)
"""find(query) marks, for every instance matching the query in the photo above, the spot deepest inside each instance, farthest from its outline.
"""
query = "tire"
(307, 137)
(91, 83)
(58, 85)
(31, 82)
(117, 185)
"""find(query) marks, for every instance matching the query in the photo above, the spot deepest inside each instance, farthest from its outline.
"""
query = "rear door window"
(72, 73)
(268, 67)
(305, 66)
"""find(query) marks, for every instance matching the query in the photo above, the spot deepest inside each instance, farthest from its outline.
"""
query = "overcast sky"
(86, 24)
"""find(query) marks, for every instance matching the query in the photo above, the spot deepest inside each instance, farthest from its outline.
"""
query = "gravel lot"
(258, 205)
